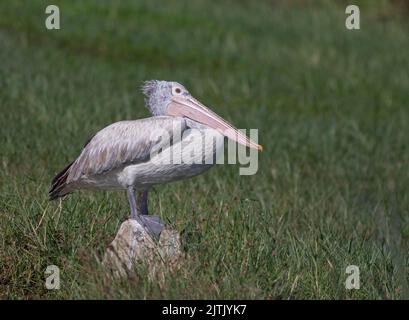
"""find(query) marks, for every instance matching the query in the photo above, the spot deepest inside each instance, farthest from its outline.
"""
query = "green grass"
(330, 106)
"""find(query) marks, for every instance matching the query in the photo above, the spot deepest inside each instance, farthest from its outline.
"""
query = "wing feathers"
(120, 144)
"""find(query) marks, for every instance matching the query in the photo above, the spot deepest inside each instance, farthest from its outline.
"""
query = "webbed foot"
(152, 224)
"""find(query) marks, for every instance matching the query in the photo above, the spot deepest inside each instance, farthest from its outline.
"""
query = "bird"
(121, 156)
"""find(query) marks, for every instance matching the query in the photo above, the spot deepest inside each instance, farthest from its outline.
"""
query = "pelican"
(119, 157)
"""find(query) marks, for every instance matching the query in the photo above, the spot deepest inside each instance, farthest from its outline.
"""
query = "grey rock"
(133, 245)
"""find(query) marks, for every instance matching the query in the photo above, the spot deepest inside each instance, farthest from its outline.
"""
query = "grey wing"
(123, 143)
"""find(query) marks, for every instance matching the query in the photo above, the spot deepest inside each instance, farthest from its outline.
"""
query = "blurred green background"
(331, 106)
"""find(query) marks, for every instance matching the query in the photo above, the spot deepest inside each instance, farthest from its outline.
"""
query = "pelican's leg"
(144, 202)
(152, 224)
(132, 202)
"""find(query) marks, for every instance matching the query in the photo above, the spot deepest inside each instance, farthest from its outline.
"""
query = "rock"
(133, 245)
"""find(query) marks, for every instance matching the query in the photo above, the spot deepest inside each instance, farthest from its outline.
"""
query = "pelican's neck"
(192, 124)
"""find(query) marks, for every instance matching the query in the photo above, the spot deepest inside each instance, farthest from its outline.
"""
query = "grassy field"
(331, 106)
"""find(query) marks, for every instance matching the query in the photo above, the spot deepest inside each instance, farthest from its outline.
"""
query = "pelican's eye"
(177, 91)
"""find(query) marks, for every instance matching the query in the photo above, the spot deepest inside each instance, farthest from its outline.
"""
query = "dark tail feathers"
(59, 183)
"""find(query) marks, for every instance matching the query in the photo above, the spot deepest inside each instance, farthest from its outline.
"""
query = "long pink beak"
(191, 108)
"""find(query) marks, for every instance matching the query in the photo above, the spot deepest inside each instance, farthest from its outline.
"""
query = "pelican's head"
(159, 93)
(169, 98)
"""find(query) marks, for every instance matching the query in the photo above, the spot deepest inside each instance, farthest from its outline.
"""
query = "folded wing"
(117, 145)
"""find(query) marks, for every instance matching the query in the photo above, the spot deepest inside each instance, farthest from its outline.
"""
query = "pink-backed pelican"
(120, 155)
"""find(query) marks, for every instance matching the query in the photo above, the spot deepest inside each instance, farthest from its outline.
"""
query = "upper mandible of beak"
(190, 108)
